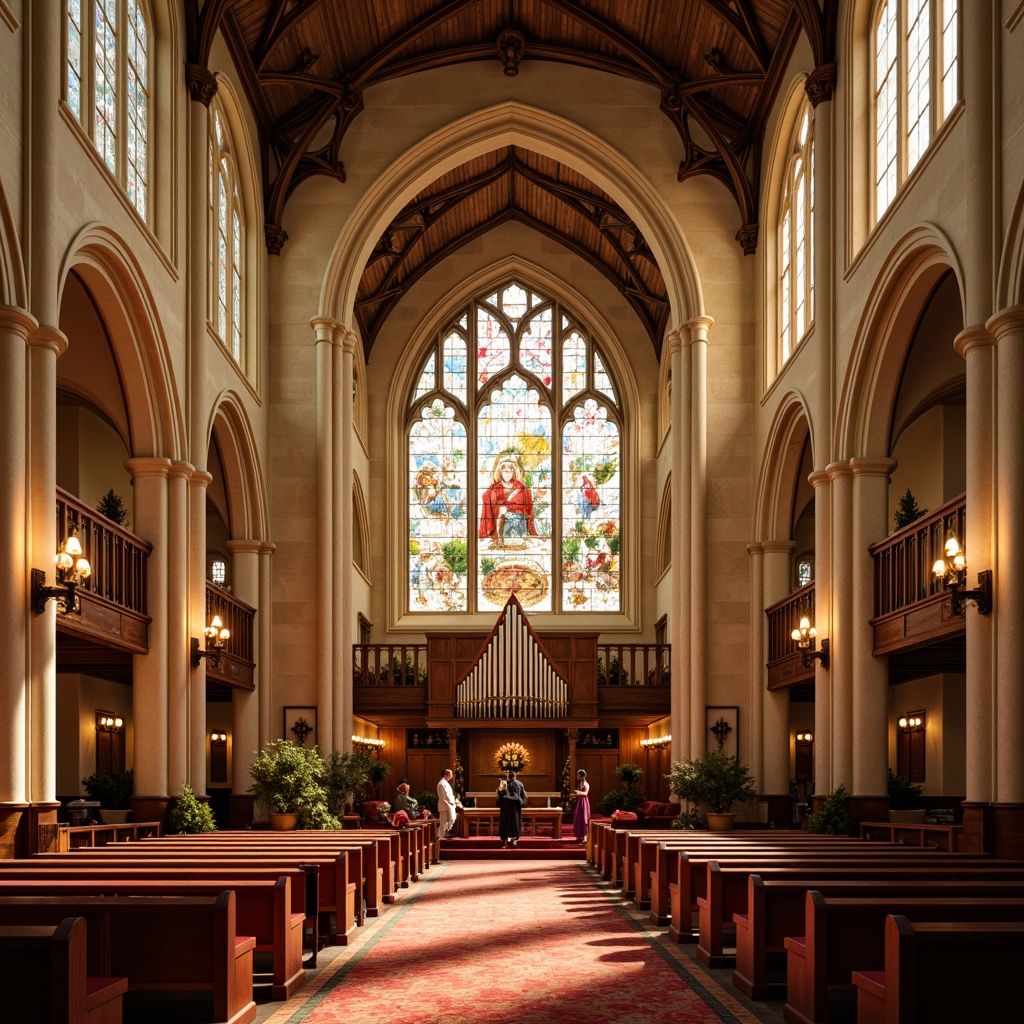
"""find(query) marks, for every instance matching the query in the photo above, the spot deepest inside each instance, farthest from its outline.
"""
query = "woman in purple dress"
(581, 815)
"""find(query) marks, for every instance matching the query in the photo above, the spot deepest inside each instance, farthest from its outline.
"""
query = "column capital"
(350, 342)
(865, 465)
(755, 549)
(181, 469)
(837, 469)
(150, 465)
(821, 83)
(201, 478)
(201, 82)
(45, 336)
(326, 327)
(973, 337)
(245, 547)
(673, 342)
(17, 320)
(778, 547)
(699, 327)
(267, 548)
(819, 478)
(1006, 321)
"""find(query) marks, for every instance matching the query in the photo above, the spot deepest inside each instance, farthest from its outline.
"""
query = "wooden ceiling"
(306, 66)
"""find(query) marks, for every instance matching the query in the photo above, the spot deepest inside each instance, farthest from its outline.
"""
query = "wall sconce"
(109, 723)
(368, 741)
(73, 569)
(911, 723)
(218, 737)
(952, 570)
(656, 742)
(805, 737)
(216, 637)
(804, 637)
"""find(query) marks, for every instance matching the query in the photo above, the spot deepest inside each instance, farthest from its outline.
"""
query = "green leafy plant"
(831, 819)
(907, 511)
(688, 820)
(113, 507)
(317, 816)
(347, 775)
(611, 673)
(904, 795)
(288, 777)
(428, 800)
(717, 781)
(190, 816)
(113, 787)
(628, 797)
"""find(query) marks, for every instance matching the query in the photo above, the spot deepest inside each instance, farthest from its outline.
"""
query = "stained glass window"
(514, 485)
(227, 235)
(108, 86)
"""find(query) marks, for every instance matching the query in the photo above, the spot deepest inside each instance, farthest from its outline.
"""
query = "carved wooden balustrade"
(785, 661)
(237, 663)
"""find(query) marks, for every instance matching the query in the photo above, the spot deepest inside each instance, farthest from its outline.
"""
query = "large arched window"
(915, 48)
(796, 239)
(514, 452)
(227, 237)
(108, 87)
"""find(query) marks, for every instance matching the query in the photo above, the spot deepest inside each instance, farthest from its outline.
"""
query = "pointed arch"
(663, 551)
(1010, 282)
(777, 483)
(243, 477)
(108, 268)
(360, 530)
(884, 335)
(13, 287)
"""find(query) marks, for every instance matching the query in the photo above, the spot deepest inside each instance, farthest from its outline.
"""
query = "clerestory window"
(227, 237)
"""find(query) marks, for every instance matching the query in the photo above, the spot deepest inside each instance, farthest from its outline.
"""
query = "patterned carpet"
(529, 942)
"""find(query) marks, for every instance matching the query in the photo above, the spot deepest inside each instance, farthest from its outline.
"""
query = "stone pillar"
(245, 572)
(199, 484)
(327, 557)
(841, 640)
(149, 707)
(263, 662)
(758, 660)
(16, 327)
(778, 576)
(699, 327)
(823, 623)
(679, 620)
(178, 650)
(870, 674)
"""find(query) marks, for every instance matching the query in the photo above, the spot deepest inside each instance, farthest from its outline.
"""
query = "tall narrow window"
(915, 54)
(108, 89)
(227, 235)
(514, 462)
(796, 239)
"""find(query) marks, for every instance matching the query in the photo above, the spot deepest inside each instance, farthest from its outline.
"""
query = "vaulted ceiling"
(306, 66)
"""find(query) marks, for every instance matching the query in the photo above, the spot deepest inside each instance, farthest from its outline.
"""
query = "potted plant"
(904, 800)
(628, 796)
(715, 781)
(831, 819)
(347, 775)
(191, 816)
(113, 787)
(289, 779)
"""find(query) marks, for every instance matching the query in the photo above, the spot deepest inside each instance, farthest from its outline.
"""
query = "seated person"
(405, 807)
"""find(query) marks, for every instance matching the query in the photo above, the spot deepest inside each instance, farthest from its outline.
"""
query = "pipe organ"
(512, 677)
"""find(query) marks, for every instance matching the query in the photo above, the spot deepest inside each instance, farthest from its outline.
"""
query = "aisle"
(529, 942)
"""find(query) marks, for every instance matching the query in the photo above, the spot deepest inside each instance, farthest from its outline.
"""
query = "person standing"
(511, 797)
(581, 813)
(447, 806)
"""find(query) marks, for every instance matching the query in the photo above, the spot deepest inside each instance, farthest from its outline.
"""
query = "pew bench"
(844, 933)
(944, 972)
(162, 944)
(44, 979)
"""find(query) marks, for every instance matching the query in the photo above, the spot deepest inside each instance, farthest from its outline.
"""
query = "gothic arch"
(663, 554)
(510, 124)
(884, 335)
(13, 287)
(780, 465)
(1010, 282)
(243, 478)
(109, 269)
(361, 530)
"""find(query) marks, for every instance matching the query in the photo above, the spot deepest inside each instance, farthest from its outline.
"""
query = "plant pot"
(114, 817)
(281, 821)
(907, 817)
(720, 822)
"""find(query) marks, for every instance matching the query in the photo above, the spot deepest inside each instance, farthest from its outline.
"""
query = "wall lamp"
(804, 637)
(109, 723)
(368, 741)
(805, 737)
(216, 637)
(73, 569)
(911, 723)
(218, 737)
(952, 570)
(656, 742)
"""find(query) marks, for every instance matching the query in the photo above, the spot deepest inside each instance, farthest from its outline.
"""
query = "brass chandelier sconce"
(804, 637)
(73, 569)
(217, 637)
(952, 570)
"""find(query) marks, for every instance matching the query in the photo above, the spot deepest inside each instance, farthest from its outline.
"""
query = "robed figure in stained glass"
(506, 514)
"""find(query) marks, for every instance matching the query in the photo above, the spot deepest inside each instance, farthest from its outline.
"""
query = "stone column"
(327, 557)
(758, 660)
(149, 705)
(199, 484)
(778, 576)
(699, 327)
(823, 623)
(1008, 595)
(679, 620)
(245, 572)
(16, 327)
(178, 650)
(841, 640)
(870, 674)
(263, 635)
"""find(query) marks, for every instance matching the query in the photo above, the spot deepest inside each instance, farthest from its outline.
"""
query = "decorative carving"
(747, 237)
(821, 83)
(202, 83)
(511, 47)
(276, 237)
(716, 59)
(720, 730)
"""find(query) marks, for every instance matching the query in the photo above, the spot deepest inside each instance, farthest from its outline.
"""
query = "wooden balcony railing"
(237, 661)
(389, 664)
(633, 664)
(784, 657)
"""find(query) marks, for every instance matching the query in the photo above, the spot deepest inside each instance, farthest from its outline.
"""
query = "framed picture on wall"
(723, 729)
(300, 725)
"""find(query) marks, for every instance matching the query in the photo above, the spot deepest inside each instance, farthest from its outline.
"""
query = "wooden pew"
(44, 979)
(942, 972)
(263, 909)
(842, 933)
(171, 944)
(727, 887)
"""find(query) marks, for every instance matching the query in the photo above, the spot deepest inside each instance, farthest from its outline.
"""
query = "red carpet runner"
(529, 942)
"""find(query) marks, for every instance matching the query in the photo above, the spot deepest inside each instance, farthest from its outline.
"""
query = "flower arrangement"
(511, 757)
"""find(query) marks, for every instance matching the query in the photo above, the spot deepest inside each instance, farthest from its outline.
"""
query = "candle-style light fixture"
(109, 723)
(805, 737)
(804, 636)
(368, 741)
(952, 570)
(216, 637)
(72, 569)
(656, 742)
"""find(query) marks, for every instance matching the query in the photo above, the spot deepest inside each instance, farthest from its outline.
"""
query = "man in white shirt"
(447, 805)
